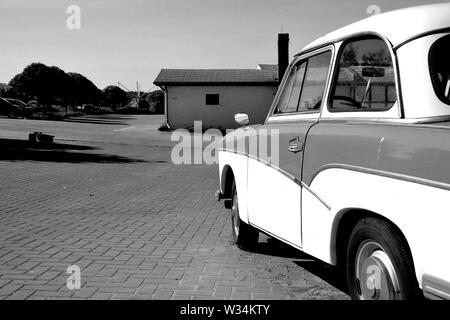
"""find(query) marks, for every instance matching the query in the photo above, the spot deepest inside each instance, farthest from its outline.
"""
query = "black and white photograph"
(224, 156)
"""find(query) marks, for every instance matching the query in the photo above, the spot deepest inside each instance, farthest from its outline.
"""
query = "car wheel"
(245, 236)
(379, 263)
(12, 114)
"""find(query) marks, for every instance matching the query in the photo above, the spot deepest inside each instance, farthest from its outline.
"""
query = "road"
(107, 199)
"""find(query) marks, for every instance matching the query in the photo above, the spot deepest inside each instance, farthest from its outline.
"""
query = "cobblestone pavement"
(138, 226)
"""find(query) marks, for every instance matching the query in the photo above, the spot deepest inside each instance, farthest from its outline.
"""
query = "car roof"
(396, 26)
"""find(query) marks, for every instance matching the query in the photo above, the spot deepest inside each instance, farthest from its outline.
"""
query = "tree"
(378, 58)
(114, 97)
(7, 91)
(50, 85)
(82, 90)
(144, 104)
(349, 56)
(156, 101)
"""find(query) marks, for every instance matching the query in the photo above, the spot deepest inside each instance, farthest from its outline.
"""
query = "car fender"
(399, 200)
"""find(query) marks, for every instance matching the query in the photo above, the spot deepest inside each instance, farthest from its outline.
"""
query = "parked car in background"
(12, 110)
(33, 104)
(17, 102)
(91, 109)
(27, 109)
(362, 177)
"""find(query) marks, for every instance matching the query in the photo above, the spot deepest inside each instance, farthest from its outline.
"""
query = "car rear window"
(439, 60)
(365, 78)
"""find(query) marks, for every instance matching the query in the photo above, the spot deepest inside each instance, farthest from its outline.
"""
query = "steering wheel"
(350, 102)
(317, 105)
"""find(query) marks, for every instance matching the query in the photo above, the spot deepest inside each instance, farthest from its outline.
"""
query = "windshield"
(440, 68)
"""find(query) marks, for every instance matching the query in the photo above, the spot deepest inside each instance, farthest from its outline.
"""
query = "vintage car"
(359, 168)
(10, 109)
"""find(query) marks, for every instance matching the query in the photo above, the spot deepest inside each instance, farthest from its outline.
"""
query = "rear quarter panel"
(398, 171)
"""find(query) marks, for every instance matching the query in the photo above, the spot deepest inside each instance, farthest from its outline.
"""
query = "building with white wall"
(214, 96)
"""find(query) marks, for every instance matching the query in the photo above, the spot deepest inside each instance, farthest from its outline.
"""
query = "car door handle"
(295, 145)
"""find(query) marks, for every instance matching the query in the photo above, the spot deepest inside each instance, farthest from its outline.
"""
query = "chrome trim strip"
(250, 156)
(283, 172)
(286, 117)
(232, 151)
(316, 196)
(435, 288)
(429, 291)
(398, 79)
(275, 236)
(372, 120)
(387, 174)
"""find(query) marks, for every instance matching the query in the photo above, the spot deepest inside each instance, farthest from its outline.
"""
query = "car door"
(275, 172)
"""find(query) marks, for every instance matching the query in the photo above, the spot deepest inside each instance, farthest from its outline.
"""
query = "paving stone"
(138, 226)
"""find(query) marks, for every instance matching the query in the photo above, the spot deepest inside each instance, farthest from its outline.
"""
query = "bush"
(131, 110)
(46, 116)
(73, 114)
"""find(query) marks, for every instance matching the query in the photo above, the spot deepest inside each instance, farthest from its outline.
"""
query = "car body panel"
(399, 201)
(276, 209)
(410, 150)
(285, 187)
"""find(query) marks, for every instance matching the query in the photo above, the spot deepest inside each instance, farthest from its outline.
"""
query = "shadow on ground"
(276, 248)
(118, 120)
(324, 271)
(23, 150)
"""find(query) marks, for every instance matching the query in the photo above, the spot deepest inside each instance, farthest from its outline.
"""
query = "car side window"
(314, 83)
(305, 85)
(288, 100)
(365, 78)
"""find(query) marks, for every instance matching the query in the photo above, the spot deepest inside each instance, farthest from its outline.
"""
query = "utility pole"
(137, 94)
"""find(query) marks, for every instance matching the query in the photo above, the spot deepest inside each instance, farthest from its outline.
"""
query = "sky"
(132, 40)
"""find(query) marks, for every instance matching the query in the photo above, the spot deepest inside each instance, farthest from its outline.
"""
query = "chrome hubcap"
(375, 273)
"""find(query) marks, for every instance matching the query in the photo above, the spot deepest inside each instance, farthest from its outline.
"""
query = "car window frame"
(314, 114)
(325, 88)
(336, 69)
(288, 71)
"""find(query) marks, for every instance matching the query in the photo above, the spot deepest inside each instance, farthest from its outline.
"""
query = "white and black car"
(359, 168)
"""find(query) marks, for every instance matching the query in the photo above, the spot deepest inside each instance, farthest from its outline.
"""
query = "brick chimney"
(283, 54)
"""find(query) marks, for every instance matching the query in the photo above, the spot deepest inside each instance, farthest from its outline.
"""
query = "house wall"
(187, 104)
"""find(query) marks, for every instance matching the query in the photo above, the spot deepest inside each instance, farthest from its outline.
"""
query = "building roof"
(353, 75)
(397, 26)
(268, 67)
(266, 76)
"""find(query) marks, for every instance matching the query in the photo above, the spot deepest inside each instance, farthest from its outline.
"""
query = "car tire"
(12, 114)
(379, 263)
(245, 236)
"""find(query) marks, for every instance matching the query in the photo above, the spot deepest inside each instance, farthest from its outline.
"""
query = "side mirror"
(241, 118)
